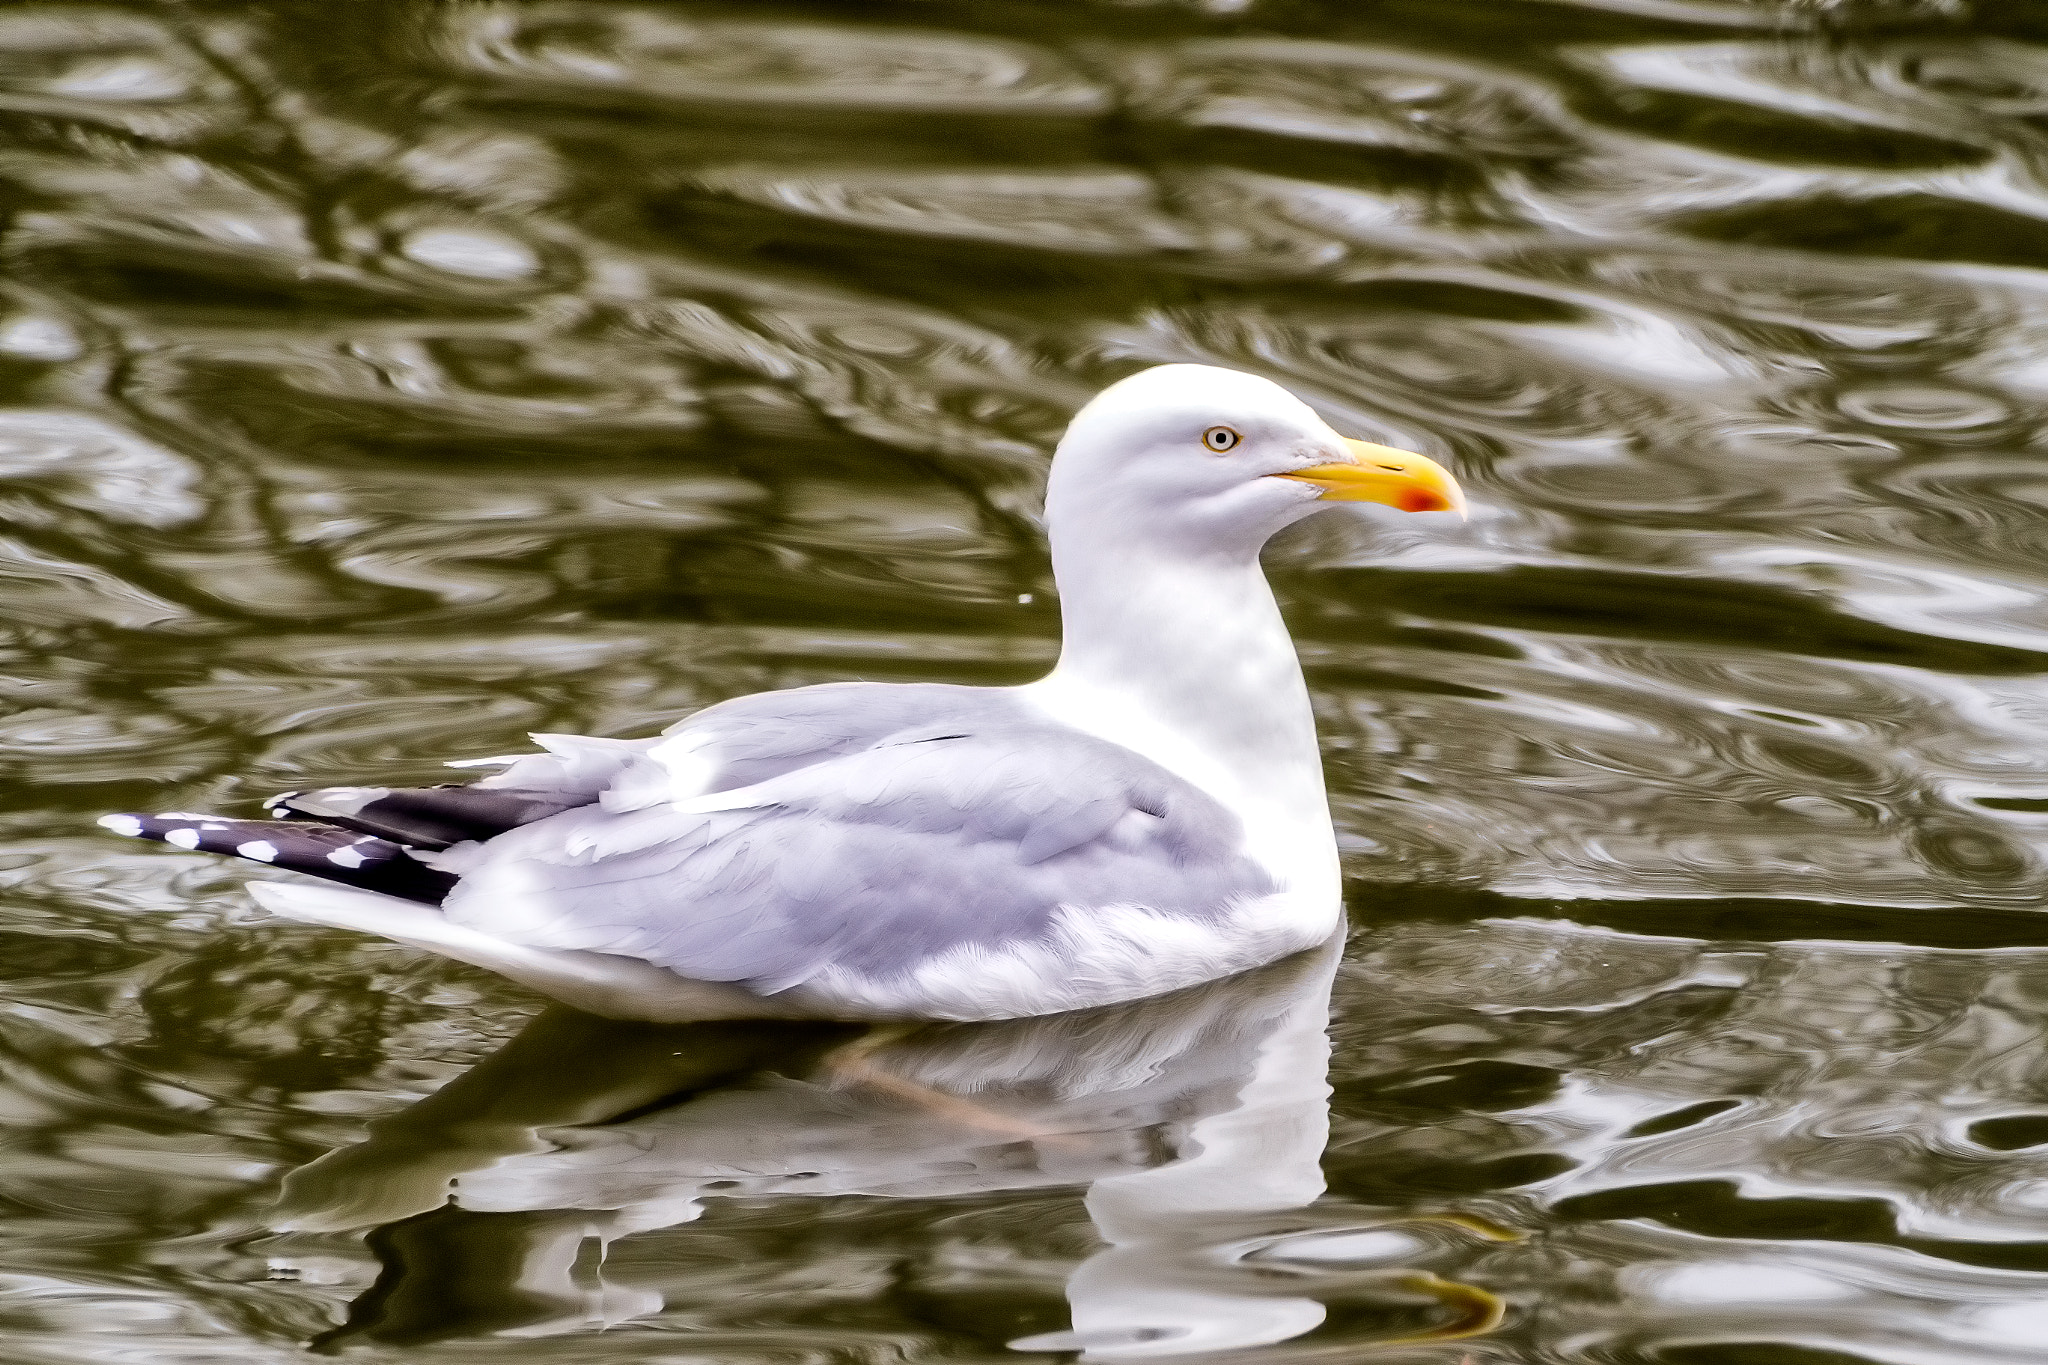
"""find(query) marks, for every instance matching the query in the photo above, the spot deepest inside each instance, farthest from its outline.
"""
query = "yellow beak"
(1413, 483)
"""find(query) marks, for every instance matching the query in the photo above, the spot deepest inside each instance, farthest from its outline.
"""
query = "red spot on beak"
(1422, 500)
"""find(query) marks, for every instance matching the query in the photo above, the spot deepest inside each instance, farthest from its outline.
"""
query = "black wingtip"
(325, 851)
(424, 817)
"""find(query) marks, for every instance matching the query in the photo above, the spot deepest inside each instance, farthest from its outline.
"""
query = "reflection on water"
(381, 382)
(1195, 1123)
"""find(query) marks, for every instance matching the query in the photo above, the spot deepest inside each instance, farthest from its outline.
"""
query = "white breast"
(1281, 801)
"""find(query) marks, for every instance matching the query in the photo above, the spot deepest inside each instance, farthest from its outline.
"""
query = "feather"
(325, 851)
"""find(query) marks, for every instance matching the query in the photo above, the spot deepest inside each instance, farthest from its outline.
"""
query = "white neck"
(1188, 662)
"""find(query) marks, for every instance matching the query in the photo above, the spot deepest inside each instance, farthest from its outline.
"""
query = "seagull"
(1148, 816)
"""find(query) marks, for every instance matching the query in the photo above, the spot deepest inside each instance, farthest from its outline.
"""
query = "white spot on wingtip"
(347, 857)
(183, 838)
(122, 824)
(262, 850)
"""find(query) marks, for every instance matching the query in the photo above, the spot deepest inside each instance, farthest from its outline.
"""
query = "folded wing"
(931, 841)
(733, 744)
(856, 832)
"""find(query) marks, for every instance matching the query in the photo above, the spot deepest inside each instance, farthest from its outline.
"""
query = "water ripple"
(653, 53)
(1336, 93)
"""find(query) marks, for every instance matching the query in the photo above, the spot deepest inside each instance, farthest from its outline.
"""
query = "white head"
(1200, 462)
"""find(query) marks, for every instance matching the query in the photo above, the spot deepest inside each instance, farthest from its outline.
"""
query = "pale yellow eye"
(1220, 439)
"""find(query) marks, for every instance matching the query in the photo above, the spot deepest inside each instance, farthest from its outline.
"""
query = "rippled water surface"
(383, 380)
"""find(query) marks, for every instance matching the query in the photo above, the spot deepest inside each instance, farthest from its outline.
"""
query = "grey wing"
(739, 742)
(872, 862)
(753, 738)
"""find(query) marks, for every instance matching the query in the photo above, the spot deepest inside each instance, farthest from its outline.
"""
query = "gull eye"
(1220, 439)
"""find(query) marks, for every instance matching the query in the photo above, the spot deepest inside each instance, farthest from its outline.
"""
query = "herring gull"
(1149, 815)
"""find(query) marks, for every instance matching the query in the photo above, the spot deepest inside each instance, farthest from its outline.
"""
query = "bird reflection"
(1195, 1122)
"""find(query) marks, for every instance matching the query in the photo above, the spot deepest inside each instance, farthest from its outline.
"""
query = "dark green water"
(381, 380)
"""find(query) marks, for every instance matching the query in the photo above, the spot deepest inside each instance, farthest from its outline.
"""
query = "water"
(383, 381)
